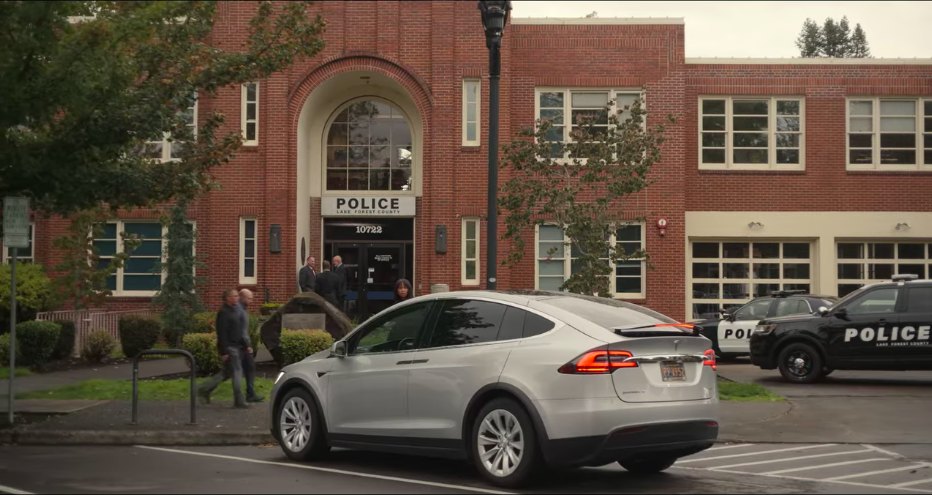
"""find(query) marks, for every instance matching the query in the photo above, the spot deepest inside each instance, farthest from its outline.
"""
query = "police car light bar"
(784, 293)
(905, 277)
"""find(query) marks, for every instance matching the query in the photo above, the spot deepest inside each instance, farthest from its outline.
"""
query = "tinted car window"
(754, 310)
(396, 331)
(467, 322)
(536, 325)
(792, 307)
(920, 300)
(513, 324)
(877, 301)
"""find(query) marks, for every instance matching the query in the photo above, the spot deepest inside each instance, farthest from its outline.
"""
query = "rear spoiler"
(658, 330)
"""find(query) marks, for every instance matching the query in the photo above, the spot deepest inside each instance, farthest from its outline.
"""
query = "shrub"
(299, 344)
(204, 322)
(203, 346)
(98, 346)
(65, 346)
(5, 351)
(254, 322)
(34, 292)
(37, 340)
(138, 333)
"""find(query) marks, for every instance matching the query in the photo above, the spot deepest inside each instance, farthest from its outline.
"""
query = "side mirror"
(728, 315)
(823, 311)
(841, 313)
(338, 349)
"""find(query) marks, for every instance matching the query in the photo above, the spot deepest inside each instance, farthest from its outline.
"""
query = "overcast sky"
(763, 29)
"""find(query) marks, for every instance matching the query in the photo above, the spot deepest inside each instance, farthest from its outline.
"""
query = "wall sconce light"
(902, 226)
(662, 226)
(755, 225)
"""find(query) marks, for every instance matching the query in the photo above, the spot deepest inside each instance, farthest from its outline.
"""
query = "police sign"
(892, 337)
(16, 222)
(349, 206)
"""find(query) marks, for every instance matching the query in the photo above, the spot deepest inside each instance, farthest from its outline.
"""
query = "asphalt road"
(266, 470)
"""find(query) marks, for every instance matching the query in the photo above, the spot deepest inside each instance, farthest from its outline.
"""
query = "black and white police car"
(731, 331)
(883, 326)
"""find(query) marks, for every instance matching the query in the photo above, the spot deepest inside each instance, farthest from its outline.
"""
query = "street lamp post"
(494, 17)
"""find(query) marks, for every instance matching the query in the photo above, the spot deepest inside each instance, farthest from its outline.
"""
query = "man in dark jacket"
(328, 285)
(231, 343)
(307, 275)
(340, 271)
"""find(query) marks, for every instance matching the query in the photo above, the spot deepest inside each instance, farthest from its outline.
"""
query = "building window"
(23, 255)
(568, 109)
(141, 274)
(751, 133)
(471, 88)
(862, 263)
(555, 262)
(889, 134)
(168, 148)
(369, 148)
(730, 273)
(250, 114)
(247, 251)
(470, 251)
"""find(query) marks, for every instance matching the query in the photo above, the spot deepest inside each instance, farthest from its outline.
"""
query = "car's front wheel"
(800, 363)
(647, 465)
(300, 429)
(504, 446)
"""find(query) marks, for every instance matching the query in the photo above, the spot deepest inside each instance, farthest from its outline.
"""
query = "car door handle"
(403, 362)
(415, 361)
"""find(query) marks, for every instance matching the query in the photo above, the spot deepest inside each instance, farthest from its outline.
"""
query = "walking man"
(340, 271)
(307, 275)
(231, 345)
(249, 362)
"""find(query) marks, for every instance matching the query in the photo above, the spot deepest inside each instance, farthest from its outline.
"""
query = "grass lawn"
(5, 372)
(745, 392)
(149, 389)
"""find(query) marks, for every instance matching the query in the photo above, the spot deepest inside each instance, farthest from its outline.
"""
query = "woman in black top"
(403, 290)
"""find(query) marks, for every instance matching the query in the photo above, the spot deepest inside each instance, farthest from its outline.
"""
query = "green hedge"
(65, 346)
(204, 322)
(299, 344)
(35, 292)
(203, 346)
(5, 351)
(37, 340)
(138, 333)
(98, 346)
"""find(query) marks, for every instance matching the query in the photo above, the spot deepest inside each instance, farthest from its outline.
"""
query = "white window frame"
(772, 132)
(120, 247)
(865, 260)
(244, 111)
(875, 133)
(567, 260)
(7, 258)
(166, 142)
(567, 124)
(472, 86)
(243, 279)
(465, 259)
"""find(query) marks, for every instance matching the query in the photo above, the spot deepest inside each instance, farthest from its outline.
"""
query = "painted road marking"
(330, 470)
(729, 447)
(822, 466)
(789, 459)
(869, 473)
(757, 453)
(850, 483)
(14, 491)
(912, 483)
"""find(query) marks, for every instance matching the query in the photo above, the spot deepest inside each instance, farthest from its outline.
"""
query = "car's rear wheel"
(800, 363)
(504, 445)
(647, 465)
(300, 429)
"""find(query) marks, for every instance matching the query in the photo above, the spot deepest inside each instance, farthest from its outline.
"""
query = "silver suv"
(512, 381)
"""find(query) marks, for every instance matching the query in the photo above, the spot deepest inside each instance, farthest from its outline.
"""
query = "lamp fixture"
(902, 226)
(755, 225)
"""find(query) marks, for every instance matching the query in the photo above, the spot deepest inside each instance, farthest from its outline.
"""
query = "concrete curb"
(148, 437)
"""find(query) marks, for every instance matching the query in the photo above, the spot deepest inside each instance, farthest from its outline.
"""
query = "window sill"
(735, 170)
(890, 169)
(470, 148)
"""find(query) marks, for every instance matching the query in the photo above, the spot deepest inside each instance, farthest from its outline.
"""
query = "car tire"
(800, 363)
(827, 371)
(300, 431)
(504, 423)
(647, 465)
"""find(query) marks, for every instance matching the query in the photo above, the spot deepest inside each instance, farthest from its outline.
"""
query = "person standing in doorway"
(340, 271)
(231, 345)
(307, 275)
(403, 290)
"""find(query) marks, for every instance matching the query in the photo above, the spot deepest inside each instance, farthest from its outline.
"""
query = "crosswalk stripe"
(823, 466)
(729, 447)
(911, 483)
(882, 471)
(788, 459)
(757, 453)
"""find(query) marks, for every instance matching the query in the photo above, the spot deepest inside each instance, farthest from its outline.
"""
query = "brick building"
(779, 173)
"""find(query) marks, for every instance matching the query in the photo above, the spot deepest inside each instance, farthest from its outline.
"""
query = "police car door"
(734, 336)
(913, 339)
(861, 332)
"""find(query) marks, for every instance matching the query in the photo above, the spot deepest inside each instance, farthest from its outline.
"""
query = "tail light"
(709, 359)
(598, 362)
(683, 326)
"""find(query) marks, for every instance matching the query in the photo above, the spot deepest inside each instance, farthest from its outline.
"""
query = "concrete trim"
(589, 21)
(806, 61)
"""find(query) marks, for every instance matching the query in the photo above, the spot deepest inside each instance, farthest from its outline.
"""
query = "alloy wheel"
(500, 443)
(799, 363)
(295, 424)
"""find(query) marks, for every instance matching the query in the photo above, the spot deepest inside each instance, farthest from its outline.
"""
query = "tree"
(86, 84)
(810, 40)
(578, 185)
(178, 295)
(832, 40)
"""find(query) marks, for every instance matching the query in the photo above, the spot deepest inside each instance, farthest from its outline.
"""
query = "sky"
(763, 29)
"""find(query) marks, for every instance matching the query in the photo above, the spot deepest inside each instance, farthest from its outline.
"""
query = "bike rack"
(180, 352)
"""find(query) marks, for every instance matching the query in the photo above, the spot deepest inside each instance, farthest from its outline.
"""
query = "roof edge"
(590, 21)
(806, 61)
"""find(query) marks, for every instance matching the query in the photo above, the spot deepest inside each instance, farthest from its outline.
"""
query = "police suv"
(884, 326)
(731, 332)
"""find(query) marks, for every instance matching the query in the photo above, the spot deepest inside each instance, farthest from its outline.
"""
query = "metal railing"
(88, 320)
(164, 351)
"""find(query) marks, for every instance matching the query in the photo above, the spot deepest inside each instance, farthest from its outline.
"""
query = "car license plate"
(672, 371)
